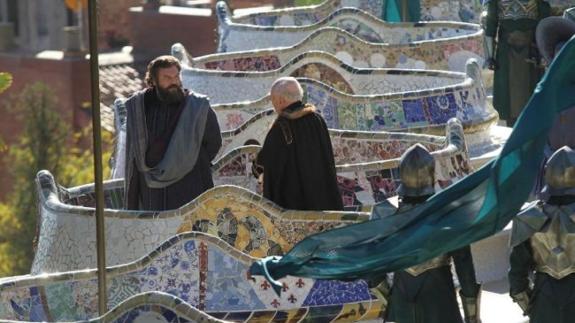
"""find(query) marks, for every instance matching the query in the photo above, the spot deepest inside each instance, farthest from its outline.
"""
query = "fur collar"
(298, 113)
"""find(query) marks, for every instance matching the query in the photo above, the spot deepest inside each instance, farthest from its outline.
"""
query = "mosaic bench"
(226, 87)
(349, 146)
(366, 163)
(463, 10)
(352, 150)
(420, 111)
(245, 220)
(254, 225)
(425, 110)
(239, 37)
(445, 53)
(200, 269)
(155, 307)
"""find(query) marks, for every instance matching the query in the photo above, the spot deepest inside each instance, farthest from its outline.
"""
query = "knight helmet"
(560, 173)
(417, 172)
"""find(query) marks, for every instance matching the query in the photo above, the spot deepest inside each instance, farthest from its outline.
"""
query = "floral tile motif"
(441, 108)
(261, 63)
(322, 292)
(182, 267)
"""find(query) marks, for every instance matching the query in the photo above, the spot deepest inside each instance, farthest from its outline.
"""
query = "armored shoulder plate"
(554, 245)
(384, 208)
(530, 220)
(518, 9)
(440, 261)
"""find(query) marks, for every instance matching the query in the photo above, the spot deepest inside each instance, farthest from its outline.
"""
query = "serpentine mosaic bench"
(422, 104)
(249, 222)
(238, 37)
(366, 163)
(226, 87)
(200, 269)
(243, 219)
(462, 10)
(349, 146)
(155, 307)
(368, 154)
(445, 53)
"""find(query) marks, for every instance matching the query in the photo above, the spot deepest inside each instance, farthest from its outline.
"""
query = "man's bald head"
(285, 91)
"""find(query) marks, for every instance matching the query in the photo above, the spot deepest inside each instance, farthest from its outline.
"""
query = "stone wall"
(114, 23)
(153, 32)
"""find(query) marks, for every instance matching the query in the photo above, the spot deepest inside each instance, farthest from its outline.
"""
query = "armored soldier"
(425, 293)
(511, 52)
(543, 242)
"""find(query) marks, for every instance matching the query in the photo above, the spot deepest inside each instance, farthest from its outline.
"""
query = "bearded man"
(172, 137)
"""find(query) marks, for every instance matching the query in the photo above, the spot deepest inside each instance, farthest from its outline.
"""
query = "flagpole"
(97, 138)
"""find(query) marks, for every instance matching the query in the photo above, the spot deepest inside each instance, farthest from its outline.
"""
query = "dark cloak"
(161, 121)
(297, 162)
(430, 297)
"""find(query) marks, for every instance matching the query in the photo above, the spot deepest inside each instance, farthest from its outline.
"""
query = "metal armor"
(517, 9)
(551, 230)
(436, 262)
(417, 172)
(554, 246)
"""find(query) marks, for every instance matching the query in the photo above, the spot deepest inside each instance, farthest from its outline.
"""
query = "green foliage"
(299, 3)
(5, 81)
(45, 143)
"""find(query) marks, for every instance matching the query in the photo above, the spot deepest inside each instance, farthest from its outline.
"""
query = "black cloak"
(297, 162)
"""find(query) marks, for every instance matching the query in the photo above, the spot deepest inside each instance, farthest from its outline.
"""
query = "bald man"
(296, 160)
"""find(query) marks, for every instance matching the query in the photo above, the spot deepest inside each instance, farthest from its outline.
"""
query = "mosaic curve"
(66, 238)
(349, 146)
(360, 188)
(414, 111)
(374, 175)
(200, 269)
(320, 66)
(238, 37)
(360, 113)
(465, 10)
(445, 53)
(246, 220)
(155, 307)
(364, 184)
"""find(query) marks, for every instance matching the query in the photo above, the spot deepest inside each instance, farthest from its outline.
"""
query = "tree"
(5, 81)
(44, 144)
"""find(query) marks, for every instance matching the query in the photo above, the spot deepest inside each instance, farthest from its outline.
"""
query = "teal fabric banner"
(474, 208)
(392, 10)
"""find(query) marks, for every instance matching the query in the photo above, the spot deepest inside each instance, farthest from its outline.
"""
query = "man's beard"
(170, 95)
